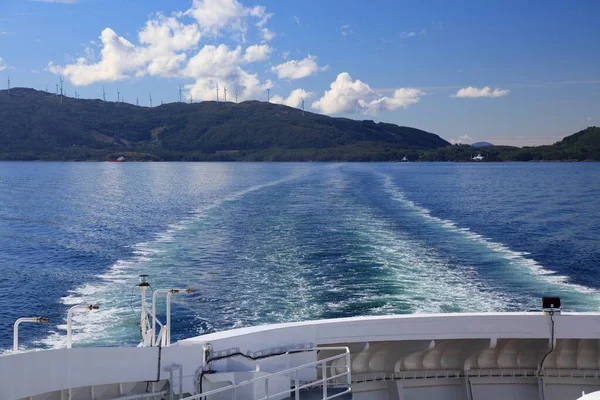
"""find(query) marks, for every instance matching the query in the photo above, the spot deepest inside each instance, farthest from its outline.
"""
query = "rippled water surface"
(268, 243)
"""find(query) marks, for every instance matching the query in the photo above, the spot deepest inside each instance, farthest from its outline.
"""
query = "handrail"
(318, 363)
(39, 320)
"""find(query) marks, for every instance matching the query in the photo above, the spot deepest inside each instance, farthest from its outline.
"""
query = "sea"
(276, 242)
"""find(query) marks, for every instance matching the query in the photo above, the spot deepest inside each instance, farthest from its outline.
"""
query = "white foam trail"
(111, 289)
(503, 251)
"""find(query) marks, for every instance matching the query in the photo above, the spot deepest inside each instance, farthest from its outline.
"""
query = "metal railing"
(327, 380)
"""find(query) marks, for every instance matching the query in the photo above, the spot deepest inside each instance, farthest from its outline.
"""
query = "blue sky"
(508, 72)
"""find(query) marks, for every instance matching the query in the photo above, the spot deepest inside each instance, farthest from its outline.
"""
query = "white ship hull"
(401, 357)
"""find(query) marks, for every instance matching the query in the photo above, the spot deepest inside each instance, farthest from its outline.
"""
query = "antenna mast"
(9, 85)
(225, 90)
(179, 93)
(61, 89)
(118, 96)
(46, 88)
(217, 92)
(236, 94)
(150, 100)
(103, 94)
(137, 101)
(268, 95)
(191, 98)
(302, 107)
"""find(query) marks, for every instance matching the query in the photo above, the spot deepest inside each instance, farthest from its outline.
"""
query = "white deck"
(400, 357)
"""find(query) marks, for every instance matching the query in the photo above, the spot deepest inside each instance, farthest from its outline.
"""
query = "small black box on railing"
(550, 303)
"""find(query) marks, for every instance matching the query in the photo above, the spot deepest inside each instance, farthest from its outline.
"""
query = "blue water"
(268, 243)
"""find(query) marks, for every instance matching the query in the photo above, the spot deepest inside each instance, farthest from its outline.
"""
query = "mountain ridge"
(37, 125)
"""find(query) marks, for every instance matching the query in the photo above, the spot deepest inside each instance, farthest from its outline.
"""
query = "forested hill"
(37, 125)
(580, 146)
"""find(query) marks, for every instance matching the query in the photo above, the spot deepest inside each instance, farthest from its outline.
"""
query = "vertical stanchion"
(324, 372)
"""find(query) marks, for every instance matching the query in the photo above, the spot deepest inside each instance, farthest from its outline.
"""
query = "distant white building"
(478, 157)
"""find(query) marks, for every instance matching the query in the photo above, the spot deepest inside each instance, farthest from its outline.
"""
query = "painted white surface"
(591, 396)
(491, 340)
(415, 327)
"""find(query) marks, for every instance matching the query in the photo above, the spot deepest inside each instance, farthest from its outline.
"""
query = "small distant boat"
(404, 159)
(478, 157)
(120, 159)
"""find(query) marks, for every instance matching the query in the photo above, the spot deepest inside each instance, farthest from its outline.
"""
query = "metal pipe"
(140, 396)
(18, 322)
(169, 292)
(154, 294)
(72, 310)
(169, 317)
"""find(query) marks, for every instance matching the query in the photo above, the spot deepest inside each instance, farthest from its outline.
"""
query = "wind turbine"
(150, 100)
(61, 89)
(302, 107)
(103, 94)
(9, 85)
(217, 92)
(179, 93)
(268, 95)
(118, 96)
(236, 94)
(225, 90)
(137, 101)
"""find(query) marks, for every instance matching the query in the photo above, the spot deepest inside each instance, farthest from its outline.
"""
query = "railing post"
(16, 329)
(297, 384)
(70, 320)
(324, 372)
(267, 388)
(171, 389)
(348, 369)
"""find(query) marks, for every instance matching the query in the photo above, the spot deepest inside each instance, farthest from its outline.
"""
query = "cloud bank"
(351, 96)
(294, 99)
(3, 65)
(297, 69)
(473, 92)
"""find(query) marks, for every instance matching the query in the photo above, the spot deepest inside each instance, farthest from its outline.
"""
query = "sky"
(507, 72)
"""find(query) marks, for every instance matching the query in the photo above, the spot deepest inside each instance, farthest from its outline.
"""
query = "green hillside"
(37, 125)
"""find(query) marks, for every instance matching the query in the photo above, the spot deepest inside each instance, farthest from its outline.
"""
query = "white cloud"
(473, 92)
(348, 96)
(6, 33)
(167, 46)
(257, 53)
(297, 69)
(163, 42)
(222, 65)
(410, 34)
(119, 57)
(214, 16)
(285, 55)
(296, 20)
(461, 139)
(3, 65)
(267, 35)
(346, 30)
(294, 99)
